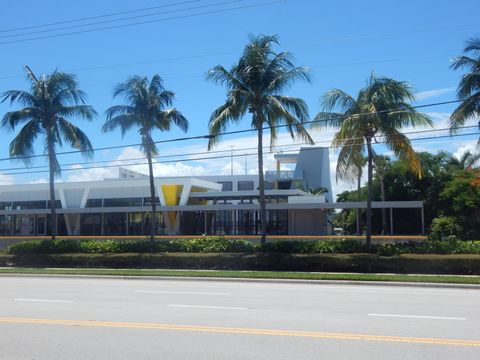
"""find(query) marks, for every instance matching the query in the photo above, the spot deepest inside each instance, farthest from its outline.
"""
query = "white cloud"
(422, 95)
(6, 179)
(38, 181)
(471, 146)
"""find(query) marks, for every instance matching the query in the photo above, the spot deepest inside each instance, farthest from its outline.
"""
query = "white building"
(186, 205)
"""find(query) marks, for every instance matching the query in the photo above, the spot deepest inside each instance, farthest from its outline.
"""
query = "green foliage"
(314, 247)
(468, 85)
(221, 245)
(443, 227)
(210, 245)
(198, 245)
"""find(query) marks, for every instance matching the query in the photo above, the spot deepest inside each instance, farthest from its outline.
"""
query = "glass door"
(41, 225)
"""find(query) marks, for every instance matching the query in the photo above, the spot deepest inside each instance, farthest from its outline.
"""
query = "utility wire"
(218, 151)
(235, 132)
(229, 156)
(96, 17)
(144, 22)
(218, 4)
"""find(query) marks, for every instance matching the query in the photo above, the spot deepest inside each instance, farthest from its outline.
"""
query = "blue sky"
(340, 41)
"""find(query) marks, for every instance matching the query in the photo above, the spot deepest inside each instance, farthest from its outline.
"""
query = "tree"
(381, 163)
(381, 108)
(462, 197)
(256, 85)
(469, 86)
(145, 110)
(52, 100)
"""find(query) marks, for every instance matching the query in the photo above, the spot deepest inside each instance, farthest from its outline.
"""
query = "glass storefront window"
(119, 202)
(114, 223)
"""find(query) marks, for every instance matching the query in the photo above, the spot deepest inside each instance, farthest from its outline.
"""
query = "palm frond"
(79, 111)
(401, 146)
(13, 118)
(23, 97)
(22, 144)
(75, 137)
(171, 116)
(337, 99)
(469, 108)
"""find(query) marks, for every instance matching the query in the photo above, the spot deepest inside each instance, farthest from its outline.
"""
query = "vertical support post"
(423, 220)
(391, 221)
(205, 222)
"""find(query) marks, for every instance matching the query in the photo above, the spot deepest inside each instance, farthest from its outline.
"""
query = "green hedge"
(350, 263)
(197, 245)
(222, 245)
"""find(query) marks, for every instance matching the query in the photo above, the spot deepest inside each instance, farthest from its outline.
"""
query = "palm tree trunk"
(153, 221)
(261, 186)
(53, 212)
(359, 198)
(369, 196)
(384, 215)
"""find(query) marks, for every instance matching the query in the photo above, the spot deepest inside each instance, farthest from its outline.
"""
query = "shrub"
(200, 245)
(221, 245)
(315, 247)
(209, 244)
(443, 227)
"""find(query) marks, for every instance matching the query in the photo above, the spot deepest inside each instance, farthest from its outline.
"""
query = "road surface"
(84, 318)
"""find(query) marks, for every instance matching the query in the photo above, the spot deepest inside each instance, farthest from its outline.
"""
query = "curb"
(253, 280)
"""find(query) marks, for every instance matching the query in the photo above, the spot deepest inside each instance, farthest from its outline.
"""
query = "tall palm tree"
(381, 164)
(256, 85)
(469, 86)
(145, 110)
(52, 100)
(360, 120)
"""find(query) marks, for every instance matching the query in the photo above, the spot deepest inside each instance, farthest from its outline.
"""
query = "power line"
(227, 156)
(219, 151)
(125, 18)
(143, 22)
(96, 17)
(236, 132)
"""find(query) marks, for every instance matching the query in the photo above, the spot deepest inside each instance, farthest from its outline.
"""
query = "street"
(87, 318)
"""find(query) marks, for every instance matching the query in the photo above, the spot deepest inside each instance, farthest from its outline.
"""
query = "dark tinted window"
(122, 202)
(245, 185)
(226, 185)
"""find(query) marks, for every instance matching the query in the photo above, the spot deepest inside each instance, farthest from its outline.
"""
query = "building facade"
(214, 205)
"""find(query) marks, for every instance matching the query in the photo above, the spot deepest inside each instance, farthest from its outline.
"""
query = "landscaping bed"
(217, 253)
(361, 263)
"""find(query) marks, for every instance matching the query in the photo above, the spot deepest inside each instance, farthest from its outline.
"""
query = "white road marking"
(180, 292)
(207, 307)
(419, 317)
(46, 300)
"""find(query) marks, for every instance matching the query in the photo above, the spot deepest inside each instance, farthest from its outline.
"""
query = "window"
(122, 202)
(245, 185)
(92, 203)
(17, 205)
(226, 185)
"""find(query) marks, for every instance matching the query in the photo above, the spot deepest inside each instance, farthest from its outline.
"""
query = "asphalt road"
(72, 318)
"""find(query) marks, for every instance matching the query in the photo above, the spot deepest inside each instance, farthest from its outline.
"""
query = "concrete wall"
(315, 165)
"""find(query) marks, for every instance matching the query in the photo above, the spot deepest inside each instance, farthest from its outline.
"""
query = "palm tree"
(381, 163)
(145, 110)
(52, 100)
(370, 115)
(468, 160)
(256, 85)
(469, 86)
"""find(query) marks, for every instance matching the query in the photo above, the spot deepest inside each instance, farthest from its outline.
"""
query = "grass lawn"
(454, 279)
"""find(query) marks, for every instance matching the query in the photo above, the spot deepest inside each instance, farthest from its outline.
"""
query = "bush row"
(222, 245)
(364, 263)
